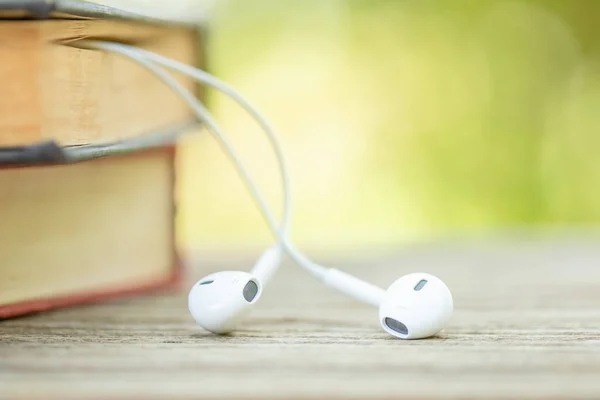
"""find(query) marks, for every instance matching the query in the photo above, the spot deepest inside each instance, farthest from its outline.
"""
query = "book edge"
(83, 9)
(171, 282)
(49, 153)
(94, 297)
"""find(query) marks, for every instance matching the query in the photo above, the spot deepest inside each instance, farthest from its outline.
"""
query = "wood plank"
(526, 325)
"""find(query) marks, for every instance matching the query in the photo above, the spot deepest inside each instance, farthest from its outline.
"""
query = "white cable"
(210, 80)
(203, 114)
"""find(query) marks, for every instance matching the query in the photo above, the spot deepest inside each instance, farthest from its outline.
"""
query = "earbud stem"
(354, 287)
(267, 265)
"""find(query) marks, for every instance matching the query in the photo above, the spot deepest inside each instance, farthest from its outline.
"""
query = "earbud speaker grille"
(250, 291)
(396, 326)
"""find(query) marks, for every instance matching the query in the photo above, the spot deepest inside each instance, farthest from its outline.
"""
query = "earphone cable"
(280, 232)
(214, 82)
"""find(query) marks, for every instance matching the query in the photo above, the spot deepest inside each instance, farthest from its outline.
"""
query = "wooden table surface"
(526, 325)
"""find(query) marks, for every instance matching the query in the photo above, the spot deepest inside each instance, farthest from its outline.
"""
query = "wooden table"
(526, 325)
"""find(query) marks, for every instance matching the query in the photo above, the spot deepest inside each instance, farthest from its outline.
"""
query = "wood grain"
(526, 325)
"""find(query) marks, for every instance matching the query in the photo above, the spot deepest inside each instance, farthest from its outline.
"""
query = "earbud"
(416, 306)
(219, 301)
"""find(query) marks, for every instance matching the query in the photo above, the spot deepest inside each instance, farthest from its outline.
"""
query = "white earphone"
(415, 306)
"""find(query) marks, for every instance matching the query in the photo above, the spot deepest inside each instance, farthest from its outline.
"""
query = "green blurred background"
(402, 120)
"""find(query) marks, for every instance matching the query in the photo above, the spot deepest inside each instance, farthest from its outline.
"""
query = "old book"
(75, 96)
(86, 231)
(87, 155)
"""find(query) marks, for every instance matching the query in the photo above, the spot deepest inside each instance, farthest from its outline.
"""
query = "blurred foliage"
(403, 119)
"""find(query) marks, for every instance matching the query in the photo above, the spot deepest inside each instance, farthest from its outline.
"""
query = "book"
(87, 231)
(188, 12)
(76, 96)
(88, 146)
